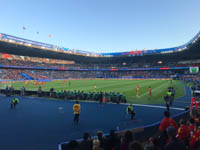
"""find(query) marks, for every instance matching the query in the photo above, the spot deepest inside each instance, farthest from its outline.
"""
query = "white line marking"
(154, 106)
(154, 89)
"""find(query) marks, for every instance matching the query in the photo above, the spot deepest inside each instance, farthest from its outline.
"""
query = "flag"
(49, 35)
(194, 69)
(24, 28)
(5, 55)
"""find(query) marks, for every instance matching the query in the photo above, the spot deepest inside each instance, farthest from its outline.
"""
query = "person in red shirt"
(150, 91)
(165, 123)
(195, 140)
(194, 101)
(183, 132)
(192, 127)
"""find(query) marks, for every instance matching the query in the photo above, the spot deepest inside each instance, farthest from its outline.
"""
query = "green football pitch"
(128, 87)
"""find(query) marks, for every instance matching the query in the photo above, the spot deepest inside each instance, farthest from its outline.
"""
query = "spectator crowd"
(171, 135)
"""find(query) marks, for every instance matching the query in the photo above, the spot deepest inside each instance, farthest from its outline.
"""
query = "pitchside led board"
(194, 69)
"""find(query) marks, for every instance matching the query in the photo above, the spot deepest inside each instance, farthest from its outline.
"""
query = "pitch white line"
(154, 89)
(154, 106)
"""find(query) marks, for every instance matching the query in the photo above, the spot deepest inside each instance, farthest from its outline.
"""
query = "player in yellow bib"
(14, 102)
(137, 90)
(95, 87)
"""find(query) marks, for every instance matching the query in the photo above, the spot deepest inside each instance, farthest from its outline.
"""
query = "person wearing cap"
(77, 110)
(174, 143)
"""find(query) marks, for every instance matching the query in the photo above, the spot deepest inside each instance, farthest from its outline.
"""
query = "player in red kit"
(150, 91)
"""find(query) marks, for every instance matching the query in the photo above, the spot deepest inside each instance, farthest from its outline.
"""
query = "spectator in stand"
(126, 140)
(113, 141)
(136, 146)
(195, 140)
(101, 140)
(184, 132)
(191, 126)
(154, 144)
(72, 145)
(196, 117)
(195, 114)
(96, 145)
(165, 123)
(86, 144)
(174, 143)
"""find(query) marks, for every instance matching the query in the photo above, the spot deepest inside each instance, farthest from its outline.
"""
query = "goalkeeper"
(130, 111)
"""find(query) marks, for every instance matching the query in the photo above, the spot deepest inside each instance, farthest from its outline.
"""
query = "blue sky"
(103, 25)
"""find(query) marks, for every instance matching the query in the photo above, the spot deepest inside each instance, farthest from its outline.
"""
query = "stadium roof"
(30, 43)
